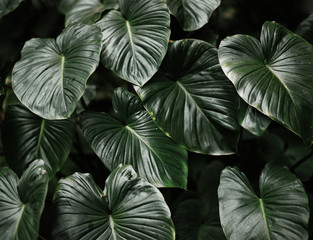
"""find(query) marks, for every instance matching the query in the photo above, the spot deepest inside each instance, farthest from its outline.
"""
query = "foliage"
(152, 119)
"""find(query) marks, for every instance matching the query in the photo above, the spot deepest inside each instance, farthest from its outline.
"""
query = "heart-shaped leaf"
(191, 99)
(281, 211)
(135, 39)
(7, 6)
(274, 75)
(51, 76)
(27, 137)
(88, 11)
(22, 201)
(252, 120)
(192, 15)
(134, 139)
(129, 208)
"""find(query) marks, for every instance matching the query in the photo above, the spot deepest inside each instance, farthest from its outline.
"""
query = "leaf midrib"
(19, 220)
(131, 38)
(264, 217)
(41, 133)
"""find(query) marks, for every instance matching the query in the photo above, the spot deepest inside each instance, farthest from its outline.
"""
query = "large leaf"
(129, 208)
(274, 75)
(192, 14)
(27, 137)
(134, 139)
(281, 211)
(252, 120)
(135, 39)
(88, 11)
(191, 99)
(7, 6)
(51, 76)
(22, 201)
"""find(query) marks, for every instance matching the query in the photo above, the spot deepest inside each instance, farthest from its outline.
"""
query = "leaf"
(133, 138)
(191, 99)
(27, 137)
(274, 75)
(129, 208)
(135, 39)
(51, 76)
(281, 211)
(22, 201)
(88, 11)
(192, 15)
(7, 6)
(252, 120)
(305, 29)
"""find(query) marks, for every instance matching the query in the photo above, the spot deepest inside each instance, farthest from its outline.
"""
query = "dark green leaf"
(252, 120)
(281, 211)
(51, 76)
(7, 6)
(192, 14)
(22, 201)
(129, 208)
(135, 39)
(305, 29)
(274, 75)
(88, 11)
(135, 139)
(27, 137)
(192, 101)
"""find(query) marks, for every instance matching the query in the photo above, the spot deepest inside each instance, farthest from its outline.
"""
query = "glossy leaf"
(129, 208)
(274, 75)
(133, 138)
(22, 201)
(192, 14)
(252, 120)
(7, 6)
(88, 11)
(281, 211)
(27, 137)
(135, 39)
(191, 99)
(51, 76)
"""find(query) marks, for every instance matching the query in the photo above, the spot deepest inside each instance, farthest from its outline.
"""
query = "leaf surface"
(191, 99)
(7, 6)
(133, 138)
(129, 208)
(281, 211)
(51, 76)
(22, 201)
(274, 75)
(135, 39)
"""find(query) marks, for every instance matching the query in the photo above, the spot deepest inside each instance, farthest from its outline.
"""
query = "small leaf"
(88, 11)
(22, 201)
(192, 15)
(134, 139)
(274, 75)
(7, 6)
(51, 76)
(129, 208)
(252, 120)
(281, 211)
(27, 137)
(135, 39)
(192, 100)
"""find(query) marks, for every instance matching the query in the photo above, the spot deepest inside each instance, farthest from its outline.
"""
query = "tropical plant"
(144, 119)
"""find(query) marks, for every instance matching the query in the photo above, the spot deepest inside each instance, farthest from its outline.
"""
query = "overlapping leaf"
(27, 137)
(134, 139)
(51, 76)
(88, 11)
(22, 201)
(191, 99)
(192, 14)
(7, 6)
(129, 208)
(274, 75)
(281, 211)
(135, 39)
